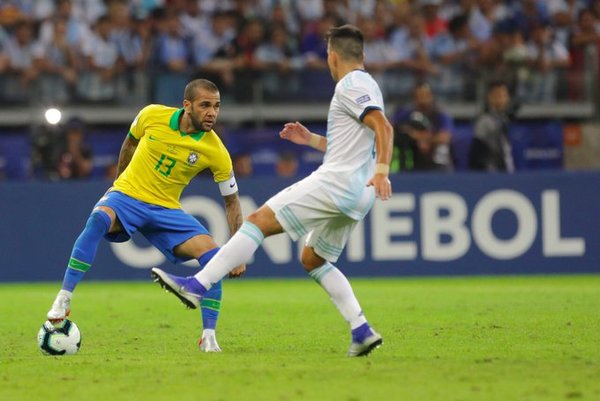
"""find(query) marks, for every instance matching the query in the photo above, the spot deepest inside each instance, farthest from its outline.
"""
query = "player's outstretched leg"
(82, 257)
(235, 252)
(333, 281)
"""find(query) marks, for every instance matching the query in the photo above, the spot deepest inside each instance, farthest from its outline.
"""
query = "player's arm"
(299, 134)
(233, 212)
(127, 149)
(384, 142)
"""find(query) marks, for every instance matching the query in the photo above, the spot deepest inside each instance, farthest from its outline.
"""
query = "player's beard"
(199, 125)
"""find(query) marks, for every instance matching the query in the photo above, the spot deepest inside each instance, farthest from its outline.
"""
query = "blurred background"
(100, 61)
(470, 85)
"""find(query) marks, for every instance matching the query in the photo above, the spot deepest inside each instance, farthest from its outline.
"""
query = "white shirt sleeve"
(360, 98)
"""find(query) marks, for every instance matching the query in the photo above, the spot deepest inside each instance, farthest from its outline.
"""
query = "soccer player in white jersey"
(329, 203)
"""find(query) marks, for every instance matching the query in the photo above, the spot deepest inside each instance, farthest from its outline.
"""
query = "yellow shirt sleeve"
(137, 128)
(222, 167)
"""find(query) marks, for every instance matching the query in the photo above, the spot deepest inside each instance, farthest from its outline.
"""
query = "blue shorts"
(164, 228)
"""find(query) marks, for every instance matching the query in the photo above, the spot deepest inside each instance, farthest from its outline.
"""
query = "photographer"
(416, 147)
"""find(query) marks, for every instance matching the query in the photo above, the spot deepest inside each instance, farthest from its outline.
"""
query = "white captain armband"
(228, 187)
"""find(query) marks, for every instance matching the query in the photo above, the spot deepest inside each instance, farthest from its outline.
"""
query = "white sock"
(238, 250)
(338, 287)
(208, 333)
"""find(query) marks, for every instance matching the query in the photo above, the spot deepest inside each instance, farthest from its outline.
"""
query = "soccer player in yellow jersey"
(165, 148)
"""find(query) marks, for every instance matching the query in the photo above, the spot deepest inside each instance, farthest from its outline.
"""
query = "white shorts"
(306, 208)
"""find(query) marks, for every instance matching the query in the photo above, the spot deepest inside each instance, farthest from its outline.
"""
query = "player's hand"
(237, 272)
(383, 186)
(295, 132)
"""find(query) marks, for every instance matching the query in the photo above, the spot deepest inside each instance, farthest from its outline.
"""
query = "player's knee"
(310, 260)
(264, 219)
(99, 220)
(254, 218)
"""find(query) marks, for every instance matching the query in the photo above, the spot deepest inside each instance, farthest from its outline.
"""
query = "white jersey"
(349, 162)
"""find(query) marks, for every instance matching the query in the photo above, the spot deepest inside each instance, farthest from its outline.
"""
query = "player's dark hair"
(191, 89)
(347, 40)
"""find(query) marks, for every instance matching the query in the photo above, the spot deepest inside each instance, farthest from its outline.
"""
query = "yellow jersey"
(166, 159)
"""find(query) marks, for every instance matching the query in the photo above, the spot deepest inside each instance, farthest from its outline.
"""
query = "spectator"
(595, 8)
(98, 82)
(287, 165)
(193, 21)
(19, 49)
(585, 53)
(57, 62)
(483, 18)
(89, 11)
(435, 124)
(278, 59)
(172, 47)
(310, 10)
(313, 47)
(380, 56)
(514, 68)
(218, 33)
(585, 38)
(546, 57)
(563, 14)
(135, 50)
(435, 25)
(74, 155)
(313, 44)
(282, 14)
(490, 148)
(456, 52)
(412, 46)
(237, 60)
(77, 31)
(143, 8)
(530, 13)
(4, 60)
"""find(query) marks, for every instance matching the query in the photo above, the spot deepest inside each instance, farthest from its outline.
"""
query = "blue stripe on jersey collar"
(174, 124)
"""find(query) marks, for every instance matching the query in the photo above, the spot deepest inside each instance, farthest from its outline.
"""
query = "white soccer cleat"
(61, 308)
(209, 344)
(364, 348)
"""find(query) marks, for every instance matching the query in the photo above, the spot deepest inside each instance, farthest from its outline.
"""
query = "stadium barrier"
(537, 144)
(459, 224)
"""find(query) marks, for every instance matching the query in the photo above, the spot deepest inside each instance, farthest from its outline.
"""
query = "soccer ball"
(62, 340)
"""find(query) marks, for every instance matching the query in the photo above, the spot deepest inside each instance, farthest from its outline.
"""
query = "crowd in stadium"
(102, 50)
(423, 53)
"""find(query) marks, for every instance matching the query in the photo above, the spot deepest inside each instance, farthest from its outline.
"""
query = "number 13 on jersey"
(165, 165)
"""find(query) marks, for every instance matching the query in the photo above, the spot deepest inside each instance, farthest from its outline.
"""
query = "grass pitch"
(496, 338)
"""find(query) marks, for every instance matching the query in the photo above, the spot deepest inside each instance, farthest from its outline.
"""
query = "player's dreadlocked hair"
(192, 88)
(347, 40)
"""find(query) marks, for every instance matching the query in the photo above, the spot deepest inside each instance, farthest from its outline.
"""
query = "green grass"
(523, 338)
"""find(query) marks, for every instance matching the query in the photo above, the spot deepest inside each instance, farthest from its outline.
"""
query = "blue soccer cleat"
(184, 288)
(364, 346)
